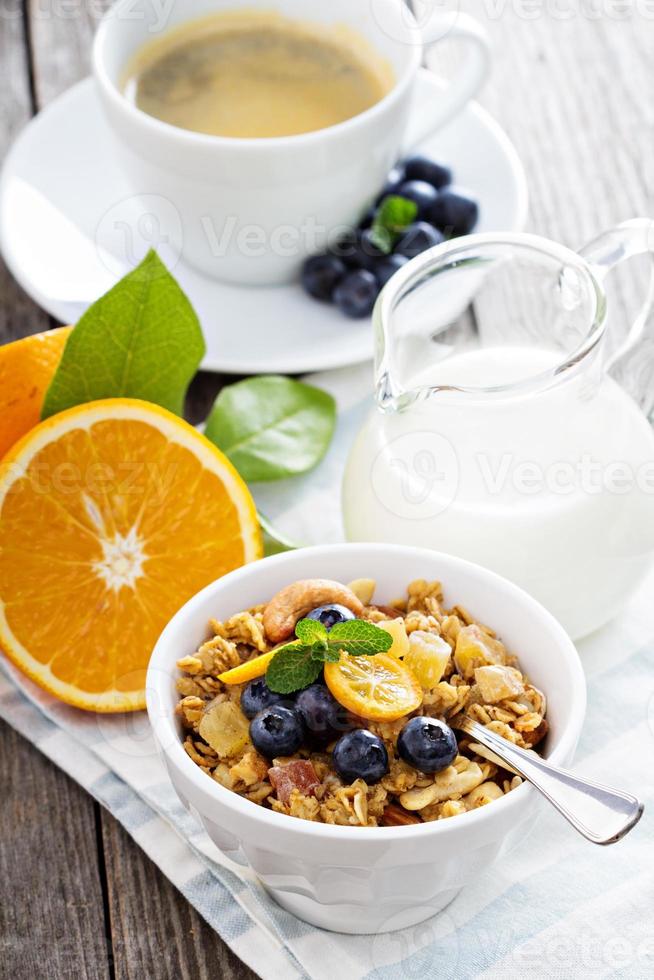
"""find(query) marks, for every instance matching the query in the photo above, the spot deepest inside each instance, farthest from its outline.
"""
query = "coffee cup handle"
(466, 83)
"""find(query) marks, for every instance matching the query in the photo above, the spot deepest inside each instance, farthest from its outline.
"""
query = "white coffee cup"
(250, 210)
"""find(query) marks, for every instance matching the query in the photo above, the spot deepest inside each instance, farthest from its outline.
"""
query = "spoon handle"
(600, 814)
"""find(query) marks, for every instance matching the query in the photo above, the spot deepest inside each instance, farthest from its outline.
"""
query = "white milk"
(553, 489)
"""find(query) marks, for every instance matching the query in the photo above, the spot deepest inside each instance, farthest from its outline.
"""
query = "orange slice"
(26, 370)
(247, 671)
(112, 515)
(380, 688)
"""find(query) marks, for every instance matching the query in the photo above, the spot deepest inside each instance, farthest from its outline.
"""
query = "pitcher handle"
(465, 84)
(603, 254)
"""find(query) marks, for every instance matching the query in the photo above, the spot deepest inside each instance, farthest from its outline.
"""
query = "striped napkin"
(556, 907)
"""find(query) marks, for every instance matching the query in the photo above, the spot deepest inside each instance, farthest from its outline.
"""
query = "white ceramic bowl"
(363, 880)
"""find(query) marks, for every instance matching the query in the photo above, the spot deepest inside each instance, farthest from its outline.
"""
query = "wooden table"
(575, 91)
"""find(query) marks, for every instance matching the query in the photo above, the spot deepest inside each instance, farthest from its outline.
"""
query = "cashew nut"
(482, 794)
(418, 799)
(296, 600)
(448, 784)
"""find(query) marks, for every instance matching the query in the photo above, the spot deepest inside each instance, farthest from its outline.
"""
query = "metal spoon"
(600, 814)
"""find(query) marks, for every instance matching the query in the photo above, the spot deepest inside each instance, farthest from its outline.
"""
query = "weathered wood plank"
(19, 316)
(51, 911)
(576, 96)
(155, 932)
(61, 36)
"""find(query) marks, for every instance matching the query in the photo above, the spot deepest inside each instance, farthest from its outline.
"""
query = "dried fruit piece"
(397, 630)
(299, 775)
(225, 728)
(397, 816)
(380, 687)
(428, 657)
(474, 648)
(537, 735)
(497, 682)
(247, 671)
(363, 588)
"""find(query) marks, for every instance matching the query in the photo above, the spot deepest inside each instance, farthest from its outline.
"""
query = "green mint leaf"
(142, 339)
(292, 668)
(272, 427)
(393, 215)
(382, 238)
(274, 542)
(332, 654)
(360, 638)
(311, 632)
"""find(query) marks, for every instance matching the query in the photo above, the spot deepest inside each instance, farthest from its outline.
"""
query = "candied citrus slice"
(112, 515)
(26, 369)
(380, 688)
(247, 671)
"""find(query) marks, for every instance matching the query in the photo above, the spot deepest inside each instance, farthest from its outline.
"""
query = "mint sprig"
(298, 664)
(393, 216)
(292, 668)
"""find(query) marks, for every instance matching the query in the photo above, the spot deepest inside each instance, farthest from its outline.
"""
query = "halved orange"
(112, 514)
(380, 688)
(26, 369)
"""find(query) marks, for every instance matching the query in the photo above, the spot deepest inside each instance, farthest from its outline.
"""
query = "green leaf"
(382, 238)
(272, 427)
(332, 654)
(393, 215)
(291, 669)
(274, 543)
(311, 632)
(360, 638)
(142, 339)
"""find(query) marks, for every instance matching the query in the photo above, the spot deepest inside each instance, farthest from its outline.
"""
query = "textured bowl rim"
(163, 659)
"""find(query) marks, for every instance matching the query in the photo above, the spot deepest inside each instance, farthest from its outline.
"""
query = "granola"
(457, 664)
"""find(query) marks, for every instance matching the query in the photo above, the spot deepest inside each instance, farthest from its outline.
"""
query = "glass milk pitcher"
(509, 428)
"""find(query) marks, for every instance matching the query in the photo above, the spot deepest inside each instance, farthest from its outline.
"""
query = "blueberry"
(276, 731)
(419, 191)
(324, 718)
(422, 168)
(356, 294)
(387, 267)
(360, 755)
(454, 212)
(257, 696)
(321, 274)
(396, 177)
(427, 744)
(366, 254)
(344, 248)
(330, 615)
(418, 238)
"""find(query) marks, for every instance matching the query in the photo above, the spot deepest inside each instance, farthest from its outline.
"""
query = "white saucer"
(70, 226)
